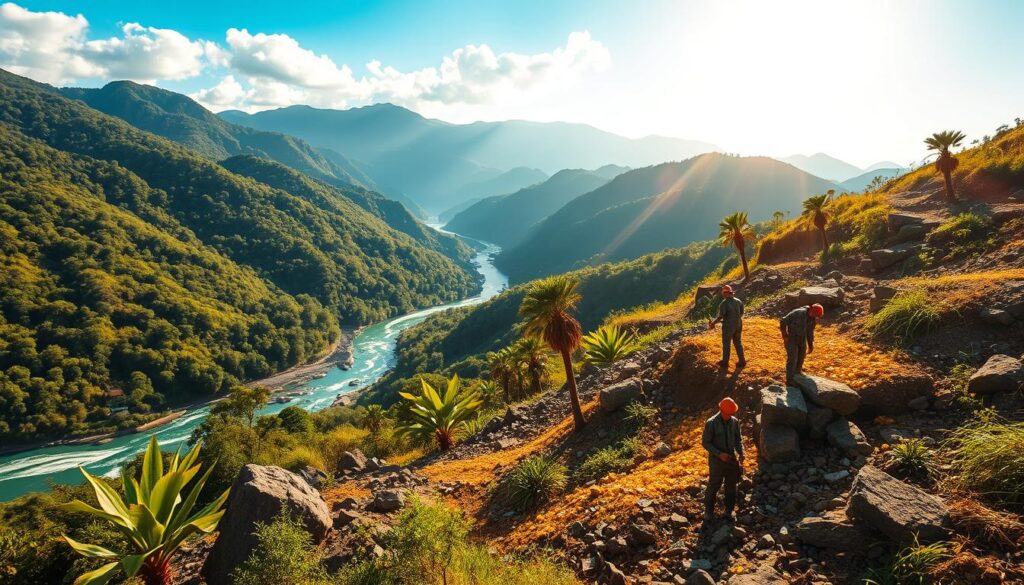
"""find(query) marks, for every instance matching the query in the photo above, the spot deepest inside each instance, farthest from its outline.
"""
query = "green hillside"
(649, 209)
(506, 219)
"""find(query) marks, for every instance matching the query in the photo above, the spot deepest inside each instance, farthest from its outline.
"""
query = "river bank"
(340, 355)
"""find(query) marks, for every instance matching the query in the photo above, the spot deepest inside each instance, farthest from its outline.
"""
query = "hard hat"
(818, 311)
(728, 406)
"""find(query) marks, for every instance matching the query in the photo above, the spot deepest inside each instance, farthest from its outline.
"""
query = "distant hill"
(652, 208)
(505, 220)
(861, 182)
(430, 160)
(824, 166)
(507, 182)
(885, 164)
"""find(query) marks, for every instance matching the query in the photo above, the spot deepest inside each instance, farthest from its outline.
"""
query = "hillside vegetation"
(653, 208)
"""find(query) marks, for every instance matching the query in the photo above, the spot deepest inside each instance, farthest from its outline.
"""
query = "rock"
(886, 257)
(908, 233)
(876, 305)
(994, 316)
(345, 517)
(615, 575)
(896, 509)
(828, 297)
(818, 418)
(642, 535)
(778, 443)
(893, 435)
(1001, 373)
(833, 531)
(313, 476)
(892, 397)
(1017, 310)
(577, 529)
(705, 290)
(629, 369)
(783, 405)
(766, 541)
(700, 577)
(722, 535)
(619, 395)
(836, 476)
(848, 438)
(919, 403)
(387, 501)
(352, 461)
(884, 292)
(662, 450)
(830, 394)
(764, 574)
(259, 494)
(895, 221)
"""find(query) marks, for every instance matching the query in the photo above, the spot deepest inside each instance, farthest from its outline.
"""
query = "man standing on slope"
(730, 315)
(724, 445)
(798, 337)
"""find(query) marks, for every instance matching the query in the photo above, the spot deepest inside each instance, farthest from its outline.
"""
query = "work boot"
(741, 363)
(723, 364)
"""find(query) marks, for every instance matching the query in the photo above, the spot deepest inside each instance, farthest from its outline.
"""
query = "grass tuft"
(906, 316)
(534, 481)
(987, 458)
(912, 565)
(603, 461)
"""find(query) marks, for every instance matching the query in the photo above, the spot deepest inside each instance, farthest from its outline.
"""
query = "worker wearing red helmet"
(722, 441)
(798, 337)
(730, 315)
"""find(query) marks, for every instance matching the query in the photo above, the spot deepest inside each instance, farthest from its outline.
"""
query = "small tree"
(374, 418)
(735, 230)
(243, 402)
(814, 211)
(946, 163)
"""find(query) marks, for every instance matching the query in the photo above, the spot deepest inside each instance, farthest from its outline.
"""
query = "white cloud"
(52, 47)
(279, 57)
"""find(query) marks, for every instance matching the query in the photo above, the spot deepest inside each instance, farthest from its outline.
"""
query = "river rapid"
(374, 355)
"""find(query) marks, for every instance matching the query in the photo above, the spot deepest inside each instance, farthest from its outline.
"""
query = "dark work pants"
(718, 472)
(796, 352)
(733, 338)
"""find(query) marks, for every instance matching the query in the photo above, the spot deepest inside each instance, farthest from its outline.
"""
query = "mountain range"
(432, 161)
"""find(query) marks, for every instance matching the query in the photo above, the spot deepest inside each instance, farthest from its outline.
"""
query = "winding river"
(374, 355)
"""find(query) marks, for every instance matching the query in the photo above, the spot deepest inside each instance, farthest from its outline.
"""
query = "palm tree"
(533, 356)
(374, 418)
(777, 217)
(546, 310)
(941, 143)
(504, 365)
(440, 418)
(155, 516)
(734, 230)
(814, 211)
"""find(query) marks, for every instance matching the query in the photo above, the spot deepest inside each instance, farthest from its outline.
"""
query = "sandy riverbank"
(340, 355)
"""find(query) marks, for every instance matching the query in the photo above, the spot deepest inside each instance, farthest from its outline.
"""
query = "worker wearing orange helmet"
(798, 337)
(724, 445)
(730, 315)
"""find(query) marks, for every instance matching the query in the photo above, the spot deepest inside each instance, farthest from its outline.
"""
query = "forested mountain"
(132, 262)
(430, 160)
(503, 184)
(657, 207)
(506, 219)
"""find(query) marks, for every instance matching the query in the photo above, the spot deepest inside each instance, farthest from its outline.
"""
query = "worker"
(724, 445)
(730, 315)
(798, 337)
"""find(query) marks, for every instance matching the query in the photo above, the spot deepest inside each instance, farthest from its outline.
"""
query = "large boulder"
(833, 531)
(1001, 373)
(828, 297)
(387, 501)
(620, 394)
(352, 461)
(259, 494)
(829, 394)
(896, 509)
(778, 443)
(886, 257)
(848, 438)
(783, 405)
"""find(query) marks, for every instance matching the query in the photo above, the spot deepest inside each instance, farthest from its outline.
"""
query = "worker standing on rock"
(798, 337)
(730, 315)
(724, 445)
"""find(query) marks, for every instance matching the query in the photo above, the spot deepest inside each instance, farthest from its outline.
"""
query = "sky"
(863, 81)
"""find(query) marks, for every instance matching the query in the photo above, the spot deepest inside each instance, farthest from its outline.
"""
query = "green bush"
(704, 308)
(987, 458)
(639, 415)
(301, 456)
(906, 316)
(534, 481)
(603, 461)
(961, 229)
(912, 565)
(285, 553)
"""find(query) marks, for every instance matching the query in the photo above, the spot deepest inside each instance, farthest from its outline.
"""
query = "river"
(374, 355)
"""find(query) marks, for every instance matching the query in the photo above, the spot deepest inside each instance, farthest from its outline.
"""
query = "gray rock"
(893, 435)
(259, 494)
(387, 501)
(848, 438)
(642, 535)
(313, 476)
(783, 405)
(896, 509)
(352, 460)
(818, 418)
(884, 292)
(764, 574)
(778, 443)
(836, 476)
(345, 517)
(908, 233)
(1017, 310)
(876, 305)
(886, 257)
(828, 297)
(615, 575)
(1001, 373)
(662, 450)
(994, 316)
(895, 221)
(833, 531)
(700, 577)
(722, 535)
(918, 403)
(620, 394)
(830, 394)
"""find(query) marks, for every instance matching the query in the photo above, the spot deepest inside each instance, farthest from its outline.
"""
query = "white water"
(374, 355)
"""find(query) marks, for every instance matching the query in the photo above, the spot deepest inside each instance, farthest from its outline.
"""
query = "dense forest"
(131, 263)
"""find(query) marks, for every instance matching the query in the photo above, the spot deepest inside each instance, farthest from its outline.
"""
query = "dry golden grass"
(347, 489)
(956, 291)
(999, 530)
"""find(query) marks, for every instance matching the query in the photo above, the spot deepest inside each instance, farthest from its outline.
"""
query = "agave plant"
(439, 418)
(153, 516)
(607, 345)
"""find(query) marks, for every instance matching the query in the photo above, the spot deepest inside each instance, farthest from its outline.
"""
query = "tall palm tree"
(533, 355)
(503, 369)
(941, 143)
(546, 309)
(734, 230)
(814, 211)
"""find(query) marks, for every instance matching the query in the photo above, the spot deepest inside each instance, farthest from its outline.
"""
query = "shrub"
(961, 229)
(534, 481)
(906, 316)
(607, 345)
(912, 565)
(603, 461)
(439, 418)
(296, 420)
(640, 415)
(987, 458)
(301, 456)
(911, 457)
(285, 553)
(334, 443)
(959, 377)
(704, 308)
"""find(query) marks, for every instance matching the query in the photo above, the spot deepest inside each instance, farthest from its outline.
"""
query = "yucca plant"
(607, 345)
(437, 418)
(946, 163)
(535, 480)
(153, 516)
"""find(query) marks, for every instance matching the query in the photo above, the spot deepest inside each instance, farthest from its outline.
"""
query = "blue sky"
(863, 81)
